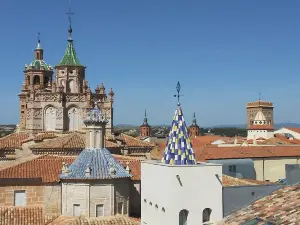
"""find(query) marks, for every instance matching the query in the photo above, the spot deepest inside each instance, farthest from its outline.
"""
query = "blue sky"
(223, 52)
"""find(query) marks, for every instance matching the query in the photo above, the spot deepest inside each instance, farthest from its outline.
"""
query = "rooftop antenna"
(70, 13)
(178, 93)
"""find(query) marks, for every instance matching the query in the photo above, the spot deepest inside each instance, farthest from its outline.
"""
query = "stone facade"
(59, 105)
(265, 107)
(88, 195)
(47, 197)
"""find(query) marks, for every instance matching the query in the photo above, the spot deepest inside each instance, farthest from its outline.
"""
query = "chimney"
(65, 168)
(88, 171)
(127, 167)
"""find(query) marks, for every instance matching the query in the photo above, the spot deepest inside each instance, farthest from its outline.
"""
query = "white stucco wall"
(255, 134)
(200, 188)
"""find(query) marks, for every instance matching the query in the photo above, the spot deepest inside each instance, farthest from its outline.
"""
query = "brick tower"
(265, 107)
(194, 128)
(145, 129)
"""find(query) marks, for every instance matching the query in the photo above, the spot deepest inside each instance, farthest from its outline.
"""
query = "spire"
(194, 119)
(145, 118)
(39, 41)
(70, 58)
(178, 150)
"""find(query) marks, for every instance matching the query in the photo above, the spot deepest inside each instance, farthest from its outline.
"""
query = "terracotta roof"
(47, 168)
(280, 207)
(23, 216)
(233, 181)
(281, 139)
(112, 220)
(259, 103)
(260, 127)
(240, 152)
(295, 129)
(69, 141)
(135, 142)
(12, 141)
(44, 135)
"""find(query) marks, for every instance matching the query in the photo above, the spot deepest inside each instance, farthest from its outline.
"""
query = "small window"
(120, 208)
(252, 193)
(232, 168)
(183, 216)
(145, 200)
(20, 198)
(76, 210)
(206, 215)
(99, 210)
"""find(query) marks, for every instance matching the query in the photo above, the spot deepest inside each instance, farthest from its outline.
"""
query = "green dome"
(38, 65)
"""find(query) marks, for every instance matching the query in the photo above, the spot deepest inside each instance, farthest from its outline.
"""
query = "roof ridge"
(69, 138)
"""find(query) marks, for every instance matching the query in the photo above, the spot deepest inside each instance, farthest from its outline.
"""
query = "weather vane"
(259, 96)
(38, 37)
(178, 93)
(70, 13)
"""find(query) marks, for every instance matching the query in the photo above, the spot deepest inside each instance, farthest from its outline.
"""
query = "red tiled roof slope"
(135, 142)
(208, 153)
(12, 141)
(111, 220)
(48, 167)
(295, 129)
(23, 216)
(280, 207)
(233, 181)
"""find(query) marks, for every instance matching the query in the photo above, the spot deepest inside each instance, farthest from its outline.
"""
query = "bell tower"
(194, 128)
(69, 73)
(145, 129)
(37, 76)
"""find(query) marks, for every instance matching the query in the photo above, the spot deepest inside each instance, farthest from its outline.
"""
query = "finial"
(70, 13)
(194, 119)
(39, 40)
(145, 118)
(178, 93)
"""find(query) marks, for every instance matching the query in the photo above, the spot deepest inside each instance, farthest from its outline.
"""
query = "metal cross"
(70, 13)
(178, 93)
(259, 96)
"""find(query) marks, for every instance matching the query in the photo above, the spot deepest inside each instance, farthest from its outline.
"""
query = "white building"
(179, 190)
(260, 128)
(290, 132)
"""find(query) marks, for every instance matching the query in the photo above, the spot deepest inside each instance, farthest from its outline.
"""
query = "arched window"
(73, 119)
(183, 215)
(71, 86)
(36, 79)
(206, 215)
(50, 119)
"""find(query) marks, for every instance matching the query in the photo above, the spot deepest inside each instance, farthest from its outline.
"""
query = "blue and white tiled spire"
(179, 150)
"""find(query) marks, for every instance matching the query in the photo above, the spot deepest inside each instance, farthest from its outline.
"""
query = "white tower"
(178, 190)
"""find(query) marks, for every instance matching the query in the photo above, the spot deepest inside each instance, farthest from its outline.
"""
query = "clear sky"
(223, 52)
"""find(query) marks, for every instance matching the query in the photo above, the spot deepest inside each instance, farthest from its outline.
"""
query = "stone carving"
(29, 114)
(74, 98)
(59, 113)
(37, 113)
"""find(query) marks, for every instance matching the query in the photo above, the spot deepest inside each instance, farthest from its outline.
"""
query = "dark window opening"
(232, 168)
(36, 79)
(206, 215)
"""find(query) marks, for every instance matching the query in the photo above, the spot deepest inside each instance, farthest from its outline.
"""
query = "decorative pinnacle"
(194, 119)
(70, 13)
(39, 40)
(145, 118)
(178, 93)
